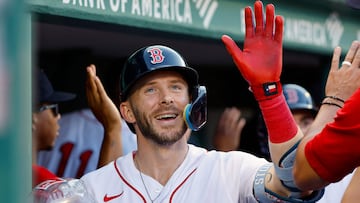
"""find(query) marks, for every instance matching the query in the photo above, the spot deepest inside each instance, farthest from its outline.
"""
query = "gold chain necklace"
(143, 182)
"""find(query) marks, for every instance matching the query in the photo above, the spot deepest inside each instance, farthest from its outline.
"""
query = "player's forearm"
(111, 147)
(304, 174)
(282, 129)
(284, 136)
(324, 116)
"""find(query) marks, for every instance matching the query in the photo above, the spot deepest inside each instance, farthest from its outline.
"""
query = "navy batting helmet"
(154, 58)
(298, 98)
(158, 57)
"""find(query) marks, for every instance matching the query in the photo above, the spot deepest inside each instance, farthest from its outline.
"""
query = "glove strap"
(264, 195)
(266, 91)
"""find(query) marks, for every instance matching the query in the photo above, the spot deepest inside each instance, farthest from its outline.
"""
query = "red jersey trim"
(181, 184)
(127, 183)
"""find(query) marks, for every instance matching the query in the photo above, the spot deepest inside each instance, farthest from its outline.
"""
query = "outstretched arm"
(107, 114)
(317, 163)
(260, 63)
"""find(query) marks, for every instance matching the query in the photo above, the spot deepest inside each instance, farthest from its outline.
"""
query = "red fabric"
(41, 174)
(260, 61)
(279, 121)
(335, 152)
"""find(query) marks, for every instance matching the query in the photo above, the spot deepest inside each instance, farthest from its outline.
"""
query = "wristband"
(336, 98)
(334, 101)
(266, 91)
(330, 103)
(279, 121)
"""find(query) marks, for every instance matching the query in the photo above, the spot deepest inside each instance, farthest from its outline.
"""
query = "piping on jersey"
(139, 193)
(127, 183)
(178, 187)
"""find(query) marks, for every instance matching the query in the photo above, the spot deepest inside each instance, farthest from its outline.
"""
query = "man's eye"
(176, 87)
(149, 90)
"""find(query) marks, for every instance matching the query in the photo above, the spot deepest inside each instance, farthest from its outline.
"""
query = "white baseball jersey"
(77, 147)
(204, 176)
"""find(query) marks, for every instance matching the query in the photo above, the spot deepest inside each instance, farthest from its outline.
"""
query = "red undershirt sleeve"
(335, 151)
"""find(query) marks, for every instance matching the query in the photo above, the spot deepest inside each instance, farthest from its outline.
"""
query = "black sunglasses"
(54, 108)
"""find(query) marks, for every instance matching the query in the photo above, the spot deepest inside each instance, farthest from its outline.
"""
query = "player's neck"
(160, 163)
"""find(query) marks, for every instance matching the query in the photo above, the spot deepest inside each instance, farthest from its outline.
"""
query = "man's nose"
(167, 99)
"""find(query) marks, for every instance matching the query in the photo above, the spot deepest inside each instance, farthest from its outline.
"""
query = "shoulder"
(228, 158)
(110, 169)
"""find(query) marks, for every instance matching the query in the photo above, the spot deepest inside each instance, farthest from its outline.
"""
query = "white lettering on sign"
(207, 10)
(315, 33)
(115, 4)
(86, 3)
(305, 32)
(334, 28)
(242, 21)
(179, 11)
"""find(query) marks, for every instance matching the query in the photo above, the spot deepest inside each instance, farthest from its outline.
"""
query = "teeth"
(166, 116)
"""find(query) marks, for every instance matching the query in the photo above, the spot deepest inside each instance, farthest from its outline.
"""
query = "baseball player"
(301, 104)
(304, 111)
(161, 99)
(45, 122)
(341, 121)
(77, 149)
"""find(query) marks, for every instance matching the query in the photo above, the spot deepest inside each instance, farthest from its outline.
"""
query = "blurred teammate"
(45, 117)
(77, 150)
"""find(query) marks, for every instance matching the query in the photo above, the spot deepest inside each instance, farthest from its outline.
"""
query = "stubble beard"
(165, 138)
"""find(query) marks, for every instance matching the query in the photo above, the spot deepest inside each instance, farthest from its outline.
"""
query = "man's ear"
(126, 112)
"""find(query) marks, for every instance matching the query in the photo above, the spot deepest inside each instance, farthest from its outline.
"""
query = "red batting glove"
(260, 63)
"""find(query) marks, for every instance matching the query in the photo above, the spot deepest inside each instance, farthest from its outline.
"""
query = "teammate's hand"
(100, 103)
(343, 82)
(261, 59)
(228, 130)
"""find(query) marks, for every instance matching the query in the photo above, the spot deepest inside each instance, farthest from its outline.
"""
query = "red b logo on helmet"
(156, 55)
(292, 96)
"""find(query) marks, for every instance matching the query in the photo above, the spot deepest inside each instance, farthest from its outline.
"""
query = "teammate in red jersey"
(328, 154)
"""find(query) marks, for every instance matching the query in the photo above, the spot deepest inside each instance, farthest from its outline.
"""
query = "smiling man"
(161, 100)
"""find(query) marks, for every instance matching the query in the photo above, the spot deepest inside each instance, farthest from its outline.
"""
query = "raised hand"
(228, 131)
(260, 62)
(100, 103)
(343, 82)
(107, 114)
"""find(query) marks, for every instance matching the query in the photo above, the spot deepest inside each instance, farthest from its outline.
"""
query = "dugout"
(69, 34)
